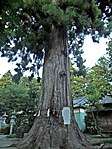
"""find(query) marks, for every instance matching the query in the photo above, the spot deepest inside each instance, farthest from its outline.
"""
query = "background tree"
(76, 51)
(14, 96)
(98, 85)
(5, 80)
(21, 97)
(109, 55)
(41, 29)
(33, 88)
(78, 83)
(99, 80)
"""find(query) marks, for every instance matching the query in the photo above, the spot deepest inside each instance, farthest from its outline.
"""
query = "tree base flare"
(48, 133)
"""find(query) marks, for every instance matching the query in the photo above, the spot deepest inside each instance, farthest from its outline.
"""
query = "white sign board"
(66, 115)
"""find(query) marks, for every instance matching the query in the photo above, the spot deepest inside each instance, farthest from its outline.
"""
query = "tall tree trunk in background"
(49, 131)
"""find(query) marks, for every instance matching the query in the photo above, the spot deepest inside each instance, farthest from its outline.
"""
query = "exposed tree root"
(47, 135)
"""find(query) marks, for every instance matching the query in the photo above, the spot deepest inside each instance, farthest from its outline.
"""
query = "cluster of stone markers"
(3, 121)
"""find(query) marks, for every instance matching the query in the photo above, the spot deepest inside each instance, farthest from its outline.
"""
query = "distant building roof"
(80, 102)
(83, 101)
(106, 100)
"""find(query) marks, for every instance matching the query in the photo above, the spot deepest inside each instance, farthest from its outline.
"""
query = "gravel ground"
(6, 142)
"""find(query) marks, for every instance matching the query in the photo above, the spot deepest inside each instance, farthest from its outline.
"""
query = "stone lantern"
(12, 122)
(0, 123)
(3, 120)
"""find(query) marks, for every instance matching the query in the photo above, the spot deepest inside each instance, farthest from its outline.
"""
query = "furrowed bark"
(49, 131)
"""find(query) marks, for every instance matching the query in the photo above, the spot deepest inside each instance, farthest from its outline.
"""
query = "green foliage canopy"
(78, 84)
(99, 81)
(5, 80)
(22, 96)
(26, 27)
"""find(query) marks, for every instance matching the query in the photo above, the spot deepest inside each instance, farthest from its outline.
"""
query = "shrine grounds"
(7, 142)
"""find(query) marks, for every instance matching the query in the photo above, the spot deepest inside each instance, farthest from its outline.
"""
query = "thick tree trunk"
(49, 131)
